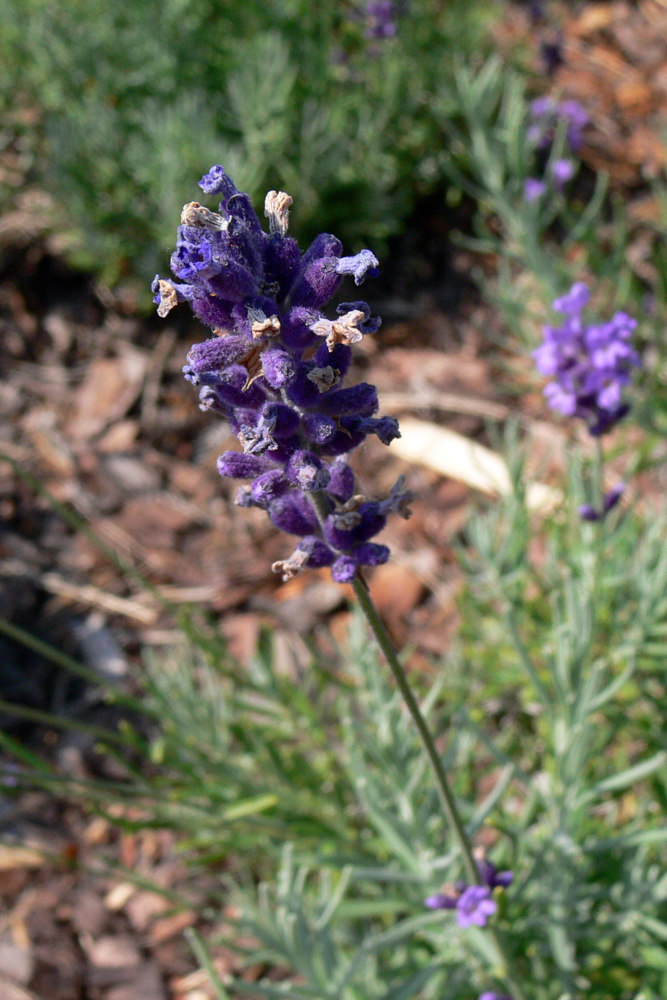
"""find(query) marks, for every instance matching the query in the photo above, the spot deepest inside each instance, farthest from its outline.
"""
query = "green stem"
(598, 475)
(442, 783)
(444, 791)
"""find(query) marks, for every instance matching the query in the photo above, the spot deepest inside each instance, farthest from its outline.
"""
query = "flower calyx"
(344, 330)
(196, 215)
(324, 378)
(276, 209)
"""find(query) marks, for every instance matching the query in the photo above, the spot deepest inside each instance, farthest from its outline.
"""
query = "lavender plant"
(554, 932)
(273, 371)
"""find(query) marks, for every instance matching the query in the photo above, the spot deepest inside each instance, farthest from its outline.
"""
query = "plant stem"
(444, 791)
(442, 783)
(598, 475)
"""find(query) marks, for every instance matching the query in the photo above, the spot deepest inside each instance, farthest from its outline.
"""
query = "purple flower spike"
(590, 366)
(613, 496)
(380, 15)
(275, 370)
(546, 113)
(475, 906)
(492, 877)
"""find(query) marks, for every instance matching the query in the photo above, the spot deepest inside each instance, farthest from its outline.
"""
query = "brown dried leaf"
(396, 590)
(169, 927)
(109, 389)
(595, 17)
(118, 952)
(20, 857)
(144, 907)
(645, 149)
(635, 96)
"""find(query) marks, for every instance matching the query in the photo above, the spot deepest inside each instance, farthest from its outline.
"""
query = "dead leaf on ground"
(109, 389)
(20, 857)
(396, 590)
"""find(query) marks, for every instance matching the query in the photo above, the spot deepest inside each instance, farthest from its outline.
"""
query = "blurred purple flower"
(441, 901)
(533, 189)
(380, 19)
(275, 369)
(494, 996)
(546, 113)
(590, 364)
(562, 171)
(473, 903)
(574, 300)
(589, 513)
(492, 877)
(475, 906)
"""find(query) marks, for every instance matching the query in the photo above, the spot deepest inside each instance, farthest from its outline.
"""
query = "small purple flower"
(441, 901)
(546, 113)
(473, 903)
(562, 171)
(574, 300)
(475, 906)
(490, 995)
(577, 118)
(590, 365)
(492, 877)
(380, 18)
(533, 189)
(589, 513)
(275, 369)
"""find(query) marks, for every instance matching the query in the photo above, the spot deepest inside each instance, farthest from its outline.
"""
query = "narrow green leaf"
(628, 777)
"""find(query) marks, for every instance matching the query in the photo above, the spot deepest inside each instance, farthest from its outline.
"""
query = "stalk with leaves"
(274, 369)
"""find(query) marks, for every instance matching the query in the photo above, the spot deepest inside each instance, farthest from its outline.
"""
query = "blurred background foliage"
(124, 104)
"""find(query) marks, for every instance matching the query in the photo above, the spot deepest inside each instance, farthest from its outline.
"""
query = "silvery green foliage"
(136, 99)
(493, 155)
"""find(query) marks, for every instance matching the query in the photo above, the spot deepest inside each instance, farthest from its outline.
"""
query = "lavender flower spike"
(274, 369)
(590, 365)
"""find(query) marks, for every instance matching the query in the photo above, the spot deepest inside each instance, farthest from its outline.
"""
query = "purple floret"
(590, 365)
(473, 903)
(589, 513)
(533, 189)
(275, 370)
(475, 906)
(562, 171)
(380, 16)
(546, 113)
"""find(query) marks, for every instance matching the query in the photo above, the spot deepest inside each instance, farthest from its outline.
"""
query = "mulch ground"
(93, 404)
